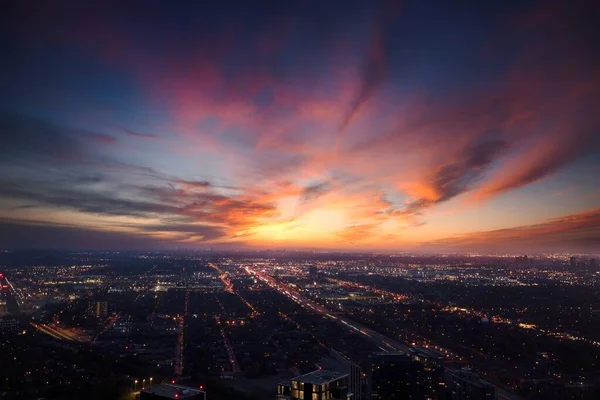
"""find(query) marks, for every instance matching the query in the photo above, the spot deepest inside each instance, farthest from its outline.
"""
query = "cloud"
(569, 142)
(193, 184)
(315, 191)
(24, 137)
(577, 232)
(375, 66)
(254, 109)
(198, 232)
(373, 75)
(87, 201)
(141, 135)
(37, 142)
(101, 138)
(205, 216)
(456, 177)
(357, 233)
(27, 235)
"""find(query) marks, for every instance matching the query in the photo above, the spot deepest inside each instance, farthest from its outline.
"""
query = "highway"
(383, 342)
(10, 294)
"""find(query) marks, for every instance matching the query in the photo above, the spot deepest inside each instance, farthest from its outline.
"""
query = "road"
(230, 353)
(10, 295)
(383, 342)
(69, 335)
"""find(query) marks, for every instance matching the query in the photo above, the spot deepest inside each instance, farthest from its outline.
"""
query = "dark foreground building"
(161, 392)
(392, 376)
(319, 385)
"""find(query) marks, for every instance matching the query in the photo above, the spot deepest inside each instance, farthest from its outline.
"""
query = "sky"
(368, 125)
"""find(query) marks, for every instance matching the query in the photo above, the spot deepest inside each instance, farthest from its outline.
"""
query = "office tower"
(429, 369)
(319, 385)
(392, 376)
(172, 392)
(463, 384)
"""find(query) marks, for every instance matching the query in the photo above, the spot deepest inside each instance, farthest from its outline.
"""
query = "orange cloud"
(577, 232)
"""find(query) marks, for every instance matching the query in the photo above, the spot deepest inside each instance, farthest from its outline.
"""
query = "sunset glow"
(320, 129)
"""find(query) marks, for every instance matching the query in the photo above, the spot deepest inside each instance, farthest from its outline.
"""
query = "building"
(101, 309)
(9, 325)
(172, 392)
(429, 370)
(463, 384)
(98, 309)
(392, 376)
(355, 375)
(316, 385)
(556, 390)
(573, 262)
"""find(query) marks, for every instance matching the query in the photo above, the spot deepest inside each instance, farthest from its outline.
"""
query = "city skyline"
(393, 126)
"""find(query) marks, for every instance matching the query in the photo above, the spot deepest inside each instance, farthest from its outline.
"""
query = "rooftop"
(427, 352)
(467, 375)
(319, 377)
(390, 354)
(172, 391)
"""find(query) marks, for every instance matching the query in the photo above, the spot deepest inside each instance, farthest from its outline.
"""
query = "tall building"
(101, 309)
(392, 376)
(316, 385)
(9, 325)
(429, 368)
(98, 309)
(159, 392)
(355, 375)
(573, 262)
(463, 384)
